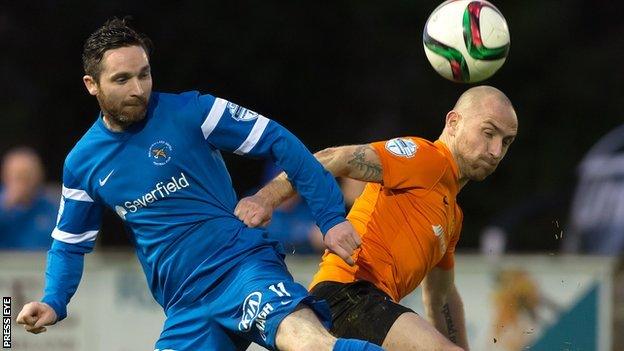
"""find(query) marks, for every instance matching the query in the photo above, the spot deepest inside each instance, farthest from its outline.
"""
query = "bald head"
(479, 130)
(481, 97)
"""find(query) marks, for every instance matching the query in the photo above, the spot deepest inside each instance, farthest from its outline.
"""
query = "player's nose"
(495, 149)
(136, 88)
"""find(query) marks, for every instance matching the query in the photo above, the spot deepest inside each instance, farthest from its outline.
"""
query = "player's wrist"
(267, 198)
(328, 224)
(60, 310)
(55, 315)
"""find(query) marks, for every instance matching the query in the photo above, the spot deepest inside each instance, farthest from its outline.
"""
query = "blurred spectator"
(597, 215)
(27, 215)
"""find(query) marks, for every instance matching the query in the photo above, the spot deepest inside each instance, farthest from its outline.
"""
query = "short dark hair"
(115, 33)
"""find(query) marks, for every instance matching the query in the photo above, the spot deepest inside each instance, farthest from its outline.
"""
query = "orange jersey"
(409, 224)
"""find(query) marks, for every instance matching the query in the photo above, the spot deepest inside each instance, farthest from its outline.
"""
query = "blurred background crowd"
(335, 73)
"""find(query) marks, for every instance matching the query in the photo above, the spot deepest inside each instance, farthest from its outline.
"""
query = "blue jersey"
(166, 179)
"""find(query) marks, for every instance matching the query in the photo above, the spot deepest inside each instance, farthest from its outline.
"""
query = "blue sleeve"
(77, 226)
(63, 273)
(227, 126)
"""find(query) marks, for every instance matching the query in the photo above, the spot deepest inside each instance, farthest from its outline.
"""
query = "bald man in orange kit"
(409, 222)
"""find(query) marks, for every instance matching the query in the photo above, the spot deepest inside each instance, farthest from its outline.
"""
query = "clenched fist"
(254, 211)
(35, 316)
(342, 239)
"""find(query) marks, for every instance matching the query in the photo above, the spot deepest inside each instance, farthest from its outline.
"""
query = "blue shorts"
(247, 306)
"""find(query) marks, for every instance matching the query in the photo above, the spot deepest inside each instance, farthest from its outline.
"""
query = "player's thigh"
(259, 295)
(412, 332)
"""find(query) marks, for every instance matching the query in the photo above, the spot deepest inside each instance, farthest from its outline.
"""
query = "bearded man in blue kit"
(154, 158)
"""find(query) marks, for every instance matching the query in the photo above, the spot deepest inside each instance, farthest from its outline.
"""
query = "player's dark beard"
(125, 113)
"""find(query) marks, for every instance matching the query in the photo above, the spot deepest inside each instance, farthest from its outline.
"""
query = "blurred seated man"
(597, 213)
(27, 216)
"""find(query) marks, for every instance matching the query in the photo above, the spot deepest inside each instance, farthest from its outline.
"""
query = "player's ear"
(91, 84)
(452, 122)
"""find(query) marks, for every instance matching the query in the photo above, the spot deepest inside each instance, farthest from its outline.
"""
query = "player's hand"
(254, 211)
(342, 239)
(35, 316)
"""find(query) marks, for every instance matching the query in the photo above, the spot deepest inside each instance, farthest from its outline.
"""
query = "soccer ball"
(466, 40)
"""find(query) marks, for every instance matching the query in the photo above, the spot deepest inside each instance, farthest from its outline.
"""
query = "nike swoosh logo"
(103, 181)
(285, 302)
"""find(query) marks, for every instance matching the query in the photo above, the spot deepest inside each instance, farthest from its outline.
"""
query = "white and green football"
(466, 41)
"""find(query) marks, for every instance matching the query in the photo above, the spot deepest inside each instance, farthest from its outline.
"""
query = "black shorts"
(359, 310)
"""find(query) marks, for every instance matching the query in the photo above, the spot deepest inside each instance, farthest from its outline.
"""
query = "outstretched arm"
(74, 236)
(229, 127)
(443, 305)
(63, 273)
(359, 162)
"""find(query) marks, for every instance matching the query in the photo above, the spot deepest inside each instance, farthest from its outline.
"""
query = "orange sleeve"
(409, 162)
(448, 260)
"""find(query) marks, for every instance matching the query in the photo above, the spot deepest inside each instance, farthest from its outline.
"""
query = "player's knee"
(302, 331)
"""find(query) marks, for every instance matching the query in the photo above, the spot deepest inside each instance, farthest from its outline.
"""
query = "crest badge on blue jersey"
(160, 152)
(240, 113)
(402, 147)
